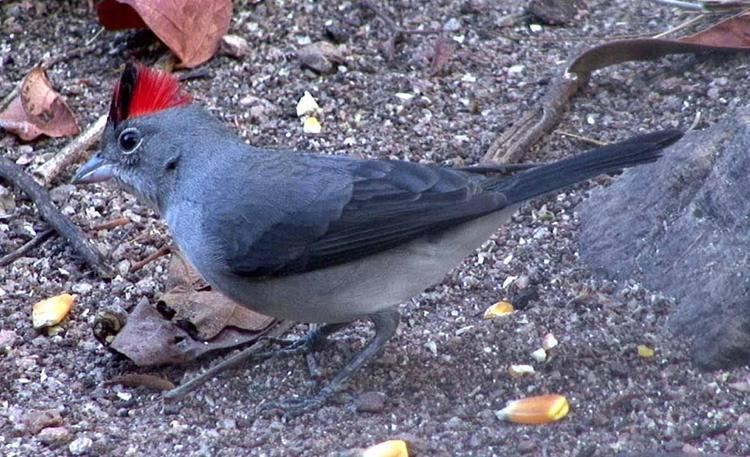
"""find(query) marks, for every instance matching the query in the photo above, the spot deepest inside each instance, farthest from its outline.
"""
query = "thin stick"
(75, 52)
(161, 252)
(583, 138)
(231, 362)
(38, 240)
(111, 224)
(72, 152)
(537, 121)
(75, 237)
(681, 4)
(682, 26)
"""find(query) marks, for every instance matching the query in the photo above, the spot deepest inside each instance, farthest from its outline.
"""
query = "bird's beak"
(95, 170)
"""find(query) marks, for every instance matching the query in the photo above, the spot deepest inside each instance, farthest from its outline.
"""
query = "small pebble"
(526, 446)
(54, 436)
(370, 402)
(80, 446)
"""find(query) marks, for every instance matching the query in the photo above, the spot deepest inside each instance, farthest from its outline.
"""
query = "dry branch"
(16, 175)
(73, 152)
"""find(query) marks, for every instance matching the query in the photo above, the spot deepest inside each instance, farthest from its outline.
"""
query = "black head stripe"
(120, 106)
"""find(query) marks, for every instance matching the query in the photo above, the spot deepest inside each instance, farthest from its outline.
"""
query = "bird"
(315, 238)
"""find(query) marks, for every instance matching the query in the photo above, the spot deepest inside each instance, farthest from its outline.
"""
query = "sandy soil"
(446, 372)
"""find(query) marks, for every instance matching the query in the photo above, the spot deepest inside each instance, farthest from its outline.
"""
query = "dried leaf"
(38, 110)
(208, 311)
(192, 29)
(732, 34)
(149, 339)
(150, 381)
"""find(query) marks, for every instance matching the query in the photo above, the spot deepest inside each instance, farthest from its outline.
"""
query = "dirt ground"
(446, 371)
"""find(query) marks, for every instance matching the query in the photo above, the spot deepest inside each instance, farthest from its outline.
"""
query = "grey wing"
(352, 209)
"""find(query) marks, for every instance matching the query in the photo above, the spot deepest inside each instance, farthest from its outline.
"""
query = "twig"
(161, 252)
(395, 30)
(681, 4)
(75, 237)
(682, 26)
(586, 139)
(71, 153)
(229, 363)
(196, 73)
(38, 240)
(111, 224)
(515, 141)
(46, 64)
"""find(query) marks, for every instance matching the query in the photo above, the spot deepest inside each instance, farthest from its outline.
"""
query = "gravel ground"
(446, 372)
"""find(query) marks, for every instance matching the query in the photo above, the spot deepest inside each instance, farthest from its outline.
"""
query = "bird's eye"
(129, 140)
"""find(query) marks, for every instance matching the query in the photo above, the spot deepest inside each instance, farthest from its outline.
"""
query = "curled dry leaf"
(149, 339)
(192, 29)
(213, 321)
(732, 34)
(38, 110)
(208, 311)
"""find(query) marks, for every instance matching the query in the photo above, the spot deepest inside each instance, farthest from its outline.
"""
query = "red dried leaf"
(192, 29)
(732, 33)
(118, 16)
(38, 110)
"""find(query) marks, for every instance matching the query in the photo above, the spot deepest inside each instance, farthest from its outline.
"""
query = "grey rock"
(321, 57)
(682, 226)
(370, 402)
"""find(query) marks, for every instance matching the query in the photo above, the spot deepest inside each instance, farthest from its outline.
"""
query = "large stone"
(682, 226)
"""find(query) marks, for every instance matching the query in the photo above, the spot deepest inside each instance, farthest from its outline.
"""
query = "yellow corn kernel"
(51, 311)
(501, 308)
(311, 125)
(645, 351)
(391, 448)
(535, 410)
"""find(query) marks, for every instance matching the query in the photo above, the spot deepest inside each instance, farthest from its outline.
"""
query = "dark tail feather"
(607, 159)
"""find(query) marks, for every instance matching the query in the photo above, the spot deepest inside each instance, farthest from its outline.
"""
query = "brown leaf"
(192, 29)
(141, 380)
(149, 339)
(207, 310)
(38, 110)
(732, 34)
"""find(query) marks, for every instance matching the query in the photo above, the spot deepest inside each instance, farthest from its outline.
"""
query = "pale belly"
(350, 291)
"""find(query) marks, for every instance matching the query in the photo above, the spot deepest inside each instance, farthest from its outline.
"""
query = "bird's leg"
(313, 341)
(385, 323)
